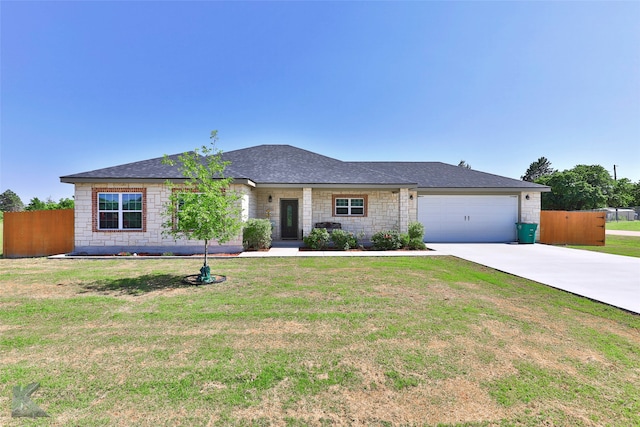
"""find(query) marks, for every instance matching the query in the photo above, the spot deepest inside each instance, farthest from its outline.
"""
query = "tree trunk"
(206, 251)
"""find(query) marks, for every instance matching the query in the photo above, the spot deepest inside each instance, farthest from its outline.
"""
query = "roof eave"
(337, 185)
(85, 180)
(460, 190)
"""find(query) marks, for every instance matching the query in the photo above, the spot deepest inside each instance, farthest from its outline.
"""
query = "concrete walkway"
(623, 233)
(612, 279)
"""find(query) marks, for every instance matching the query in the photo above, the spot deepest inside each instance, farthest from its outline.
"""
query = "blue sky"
(87, 85)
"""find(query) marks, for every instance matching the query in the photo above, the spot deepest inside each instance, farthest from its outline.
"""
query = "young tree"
(10, 202)
(204, 207)
(538, 169)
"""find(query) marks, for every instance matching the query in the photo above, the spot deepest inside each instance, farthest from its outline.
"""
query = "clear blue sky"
(87, 85)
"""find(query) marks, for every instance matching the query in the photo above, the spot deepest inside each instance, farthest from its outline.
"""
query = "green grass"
(617, 245)
(624, 225)
(322, 341)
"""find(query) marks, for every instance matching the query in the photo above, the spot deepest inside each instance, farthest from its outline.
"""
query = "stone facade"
(88, 239)
(316, 205)
(271, 209)
(384, 210)
(530, 209)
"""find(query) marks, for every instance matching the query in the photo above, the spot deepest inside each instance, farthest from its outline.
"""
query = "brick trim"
(94, 207)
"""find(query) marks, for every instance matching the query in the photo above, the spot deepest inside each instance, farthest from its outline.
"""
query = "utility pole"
(615, 178)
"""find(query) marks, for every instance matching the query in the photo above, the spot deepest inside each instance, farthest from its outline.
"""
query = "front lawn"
(624, 225)
(617, 245)
(310, 341)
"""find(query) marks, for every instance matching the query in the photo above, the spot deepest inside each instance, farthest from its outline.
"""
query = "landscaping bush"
(416, 237)
(416, 231)
(388, 240)
(344, 240)
(318, 239)
(416, 244)
(256, 234)
(404, 240)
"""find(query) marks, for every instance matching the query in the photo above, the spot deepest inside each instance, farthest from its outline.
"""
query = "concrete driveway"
(612, 279)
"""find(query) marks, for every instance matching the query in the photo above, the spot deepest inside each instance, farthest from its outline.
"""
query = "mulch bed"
(193, 280)
(364, 249)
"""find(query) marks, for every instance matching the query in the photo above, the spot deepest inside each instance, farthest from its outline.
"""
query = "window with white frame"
(349, 206)
(119, 211)
(184, 198)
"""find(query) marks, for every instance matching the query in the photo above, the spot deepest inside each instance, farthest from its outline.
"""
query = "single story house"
(120, 208)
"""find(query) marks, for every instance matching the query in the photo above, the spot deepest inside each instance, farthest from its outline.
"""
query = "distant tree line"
(581, 188)
(10, 202)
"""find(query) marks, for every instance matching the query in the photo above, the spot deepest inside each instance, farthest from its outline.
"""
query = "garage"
(468, 218)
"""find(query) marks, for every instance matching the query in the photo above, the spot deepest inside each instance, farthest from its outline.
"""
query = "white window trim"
(350, 206)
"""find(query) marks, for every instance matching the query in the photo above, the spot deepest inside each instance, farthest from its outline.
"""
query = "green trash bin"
(526, 232)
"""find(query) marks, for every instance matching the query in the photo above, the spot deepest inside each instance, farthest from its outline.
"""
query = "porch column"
(403, 207)
(307, 211)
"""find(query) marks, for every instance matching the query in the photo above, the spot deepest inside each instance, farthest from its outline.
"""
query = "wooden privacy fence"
(572, 228)
(37, 233)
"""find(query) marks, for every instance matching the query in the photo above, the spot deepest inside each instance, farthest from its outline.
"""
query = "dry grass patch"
(324, 341)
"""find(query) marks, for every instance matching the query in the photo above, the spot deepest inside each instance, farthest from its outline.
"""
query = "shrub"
(256, 234)
(416, 244)
(404, 240)
(317, 239)
(416, 237)
(344, 240)
(416, 231)
(388, 240)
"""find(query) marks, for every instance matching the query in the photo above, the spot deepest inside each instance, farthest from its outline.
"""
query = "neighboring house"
(120, 208)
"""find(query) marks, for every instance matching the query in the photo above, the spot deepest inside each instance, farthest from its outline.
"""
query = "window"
(190, 197)
(119, 211)
(349, 206)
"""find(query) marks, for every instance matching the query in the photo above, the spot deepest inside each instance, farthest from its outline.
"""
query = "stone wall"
(530, 209)
(314, 205)
(271, 210)
(150, 239)
(383, 211)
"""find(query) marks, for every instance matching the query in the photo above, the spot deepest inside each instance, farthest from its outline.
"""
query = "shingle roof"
(145, 169)
(288, 165)
(443, 175)
(284, 164)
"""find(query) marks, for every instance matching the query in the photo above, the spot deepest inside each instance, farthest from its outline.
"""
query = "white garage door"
(468, 219)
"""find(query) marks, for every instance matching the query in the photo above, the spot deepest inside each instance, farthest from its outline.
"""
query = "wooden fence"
(38, 233)
(572, 228)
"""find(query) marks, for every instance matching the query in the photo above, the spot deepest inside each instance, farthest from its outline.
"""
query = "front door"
(289, 219)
